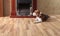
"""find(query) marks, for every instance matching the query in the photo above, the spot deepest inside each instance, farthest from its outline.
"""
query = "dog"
(40, 17)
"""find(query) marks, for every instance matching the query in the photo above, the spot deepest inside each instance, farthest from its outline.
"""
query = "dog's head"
(38, 13)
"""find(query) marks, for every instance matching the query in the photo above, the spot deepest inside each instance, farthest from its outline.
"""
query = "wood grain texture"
(27, 27)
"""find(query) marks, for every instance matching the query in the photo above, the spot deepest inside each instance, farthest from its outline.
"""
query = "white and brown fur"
(39, 14)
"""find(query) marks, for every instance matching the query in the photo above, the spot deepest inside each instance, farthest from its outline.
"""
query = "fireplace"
(23, 8)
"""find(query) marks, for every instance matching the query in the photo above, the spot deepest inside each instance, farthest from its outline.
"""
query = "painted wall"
(7, 7)
(1, 8)
(49, 6)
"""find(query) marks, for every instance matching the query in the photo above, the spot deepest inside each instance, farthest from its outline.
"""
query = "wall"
(50, 7)
(1, 8)
(7, 7)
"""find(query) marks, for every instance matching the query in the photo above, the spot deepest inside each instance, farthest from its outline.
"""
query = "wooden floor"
(27, 27)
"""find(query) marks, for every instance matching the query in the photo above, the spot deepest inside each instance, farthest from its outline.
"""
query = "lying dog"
(40, 17)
